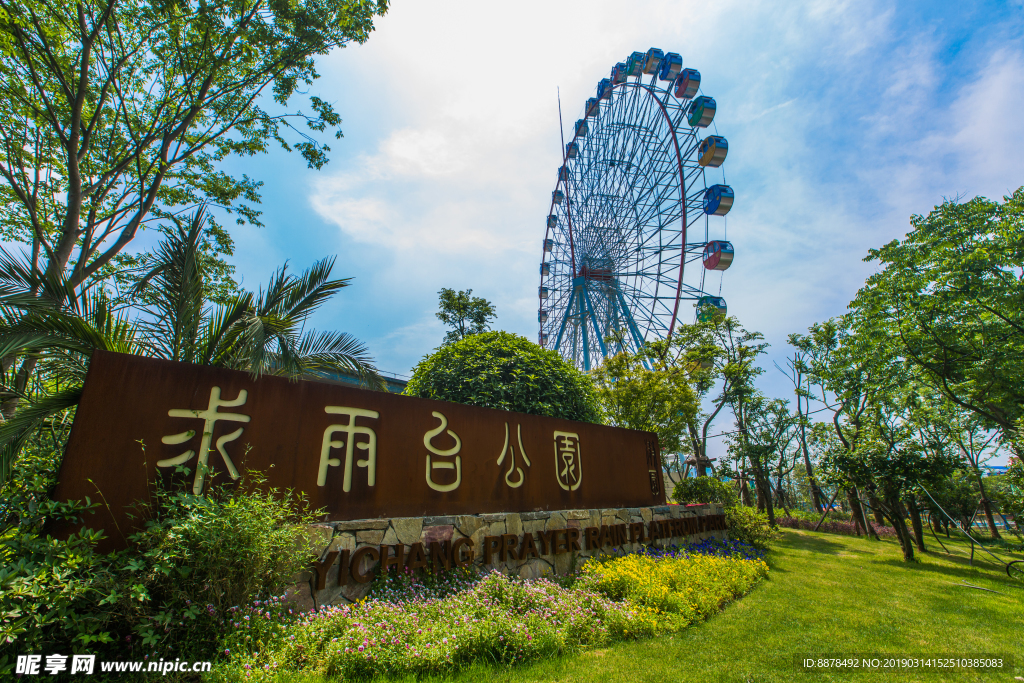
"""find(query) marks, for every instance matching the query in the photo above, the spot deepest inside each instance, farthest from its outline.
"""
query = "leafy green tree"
(507, 372)
(465, 313)
(262, 332)
(951, 297)
(715, 352)
(946, 423)
(1014, 494)
(704, 490)
(762, 443)
(637, 391)
(116, 113)
(798, 372)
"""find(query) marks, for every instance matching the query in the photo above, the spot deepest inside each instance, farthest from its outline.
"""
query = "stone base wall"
(322, 586)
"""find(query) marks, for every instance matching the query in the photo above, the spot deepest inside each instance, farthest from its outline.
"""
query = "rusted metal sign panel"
(356, 453)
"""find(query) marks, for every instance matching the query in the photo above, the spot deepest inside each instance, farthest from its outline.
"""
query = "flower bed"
(411, 630)
(687, 586)
(831, 526)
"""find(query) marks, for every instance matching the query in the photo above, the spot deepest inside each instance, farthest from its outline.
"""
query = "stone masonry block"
(408, 529)
(361, 524)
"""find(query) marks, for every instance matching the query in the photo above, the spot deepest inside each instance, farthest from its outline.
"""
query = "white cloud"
(840, 116)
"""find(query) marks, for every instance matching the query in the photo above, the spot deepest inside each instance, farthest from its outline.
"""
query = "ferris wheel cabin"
(635, 64)
(702, 112)
(619, 73)
(710, 306)
(718, 200)
(671, 65)
(652, 60)
(718, 255)
(712, 151)
(687, 84)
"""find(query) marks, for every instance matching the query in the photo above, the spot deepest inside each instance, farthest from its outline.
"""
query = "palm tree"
(41, 316)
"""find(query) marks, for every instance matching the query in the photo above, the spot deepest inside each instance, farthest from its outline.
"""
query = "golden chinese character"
(210, 416)
(351, 430)
(568, 466)
(505, 450)
(444, 464)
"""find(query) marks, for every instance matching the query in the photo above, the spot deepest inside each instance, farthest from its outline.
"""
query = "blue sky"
(843, 118)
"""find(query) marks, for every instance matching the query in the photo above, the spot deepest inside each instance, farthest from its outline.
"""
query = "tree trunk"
(782, 498)
(893, 505)
(936, 524)
(987, 507)
(858, 525)
(876, 509)
(862, 517)
(816, 495)
(915, 521)
(745, 492)
(764, 493)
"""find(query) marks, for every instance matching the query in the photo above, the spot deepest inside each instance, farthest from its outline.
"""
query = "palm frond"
(15, 431)
(173, 290)
(24, 286)
(311, 289)
(321, 354)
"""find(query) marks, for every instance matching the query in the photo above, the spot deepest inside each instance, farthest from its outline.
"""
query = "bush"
(494, 619)
(168, 594)
(689, 587)
(704, 490)
(748, 525)
(506, 372)
(498, 620)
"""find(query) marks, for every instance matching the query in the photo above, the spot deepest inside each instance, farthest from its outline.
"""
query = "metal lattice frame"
(625, 229)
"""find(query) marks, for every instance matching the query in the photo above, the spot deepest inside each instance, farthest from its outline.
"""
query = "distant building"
(396, 383)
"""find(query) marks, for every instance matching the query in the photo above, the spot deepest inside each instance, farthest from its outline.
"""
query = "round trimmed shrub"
(507, 372)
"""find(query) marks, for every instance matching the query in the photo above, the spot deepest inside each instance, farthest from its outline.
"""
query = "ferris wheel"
(631, 209)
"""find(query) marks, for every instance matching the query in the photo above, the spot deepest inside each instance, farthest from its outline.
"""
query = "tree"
(842, 366)
(262, 332)
(874, 398)
(951, 295)
(798, 374)
(717, 349)
(114, 113)
(507, 372)
(639, 392)
(946, 423)
(465, 313)
(766, 430)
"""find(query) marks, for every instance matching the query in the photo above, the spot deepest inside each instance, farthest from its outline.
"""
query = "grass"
(825, 594)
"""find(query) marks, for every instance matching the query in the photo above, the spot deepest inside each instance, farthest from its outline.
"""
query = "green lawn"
(825, 594)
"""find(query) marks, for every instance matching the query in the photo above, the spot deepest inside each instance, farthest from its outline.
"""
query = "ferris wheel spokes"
(627, 210)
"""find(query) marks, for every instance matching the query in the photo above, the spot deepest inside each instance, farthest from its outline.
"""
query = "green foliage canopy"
(464, 313)
(115, 110)
(704, 490)
(507, 372)
(951, 299)
(655, 399)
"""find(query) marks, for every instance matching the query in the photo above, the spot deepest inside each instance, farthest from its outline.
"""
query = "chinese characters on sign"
(210, 416)
(355, 453)
(351, 431)
(443, 464)
(568, 467)
(652, 468)
(511, 452)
